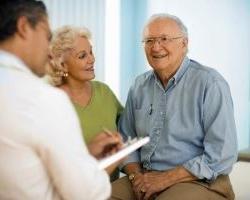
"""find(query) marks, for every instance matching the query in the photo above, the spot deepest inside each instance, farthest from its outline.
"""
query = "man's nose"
(157, 45)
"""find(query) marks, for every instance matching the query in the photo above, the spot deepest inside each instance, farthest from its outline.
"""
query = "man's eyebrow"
(162, 35)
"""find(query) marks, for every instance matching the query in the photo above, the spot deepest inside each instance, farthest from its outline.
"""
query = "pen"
(108, 132)
(151, 109)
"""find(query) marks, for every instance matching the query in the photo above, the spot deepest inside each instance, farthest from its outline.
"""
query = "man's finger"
(147, 194)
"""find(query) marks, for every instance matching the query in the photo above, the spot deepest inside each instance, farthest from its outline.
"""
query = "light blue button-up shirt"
(190, 122)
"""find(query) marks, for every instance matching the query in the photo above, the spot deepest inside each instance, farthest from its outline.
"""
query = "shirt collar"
(11, 61)
(182, 69)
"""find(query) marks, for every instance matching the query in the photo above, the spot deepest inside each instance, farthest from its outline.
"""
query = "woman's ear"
(64, 67)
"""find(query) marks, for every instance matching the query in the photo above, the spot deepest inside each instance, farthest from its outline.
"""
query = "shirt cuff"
(199, 168)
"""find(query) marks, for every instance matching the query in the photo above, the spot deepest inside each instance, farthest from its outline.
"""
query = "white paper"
(105, 162)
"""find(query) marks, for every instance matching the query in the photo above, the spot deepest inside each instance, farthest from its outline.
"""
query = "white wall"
(112, 45)
(219, 37)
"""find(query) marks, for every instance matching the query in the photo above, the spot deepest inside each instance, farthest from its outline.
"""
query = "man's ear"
(23, 27)
(185, 42)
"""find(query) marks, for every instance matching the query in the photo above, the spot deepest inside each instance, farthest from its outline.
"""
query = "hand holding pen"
(105, 143)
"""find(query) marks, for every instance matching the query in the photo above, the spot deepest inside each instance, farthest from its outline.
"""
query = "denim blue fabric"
(190, 121)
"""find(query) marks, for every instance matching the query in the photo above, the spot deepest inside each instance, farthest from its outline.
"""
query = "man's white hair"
(168, 16)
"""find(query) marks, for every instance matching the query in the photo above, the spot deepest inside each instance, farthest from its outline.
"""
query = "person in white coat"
(42, 155)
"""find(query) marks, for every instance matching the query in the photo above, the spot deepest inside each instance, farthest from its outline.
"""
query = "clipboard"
(129, 147)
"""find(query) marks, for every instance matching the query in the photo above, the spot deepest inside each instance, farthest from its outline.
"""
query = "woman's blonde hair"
(62, 42)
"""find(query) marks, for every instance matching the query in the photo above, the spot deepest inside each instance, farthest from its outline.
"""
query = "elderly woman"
(71, 68)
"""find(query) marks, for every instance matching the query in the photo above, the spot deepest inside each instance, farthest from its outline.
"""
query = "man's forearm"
(179, 174)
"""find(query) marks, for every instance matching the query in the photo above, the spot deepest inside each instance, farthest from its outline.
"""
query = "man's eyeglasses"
(163, 40)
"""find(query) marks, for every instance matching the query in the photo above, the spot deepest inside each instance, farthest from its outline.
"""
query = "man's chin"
(159, 67)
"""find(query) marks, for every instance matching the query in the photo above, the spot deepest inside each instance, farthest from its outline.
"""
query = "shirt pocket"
(142, 122)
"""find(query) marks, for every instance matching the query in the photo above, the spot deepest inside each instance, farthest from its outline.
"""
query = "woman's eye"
(82, 56)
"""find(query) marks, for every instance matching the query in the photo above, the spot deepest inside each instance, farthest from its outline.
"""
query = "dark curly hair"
(12, 10)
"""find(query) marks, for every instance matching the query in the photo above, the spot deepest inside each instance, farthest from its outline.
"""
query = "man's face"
(165, 45)
(39, 38)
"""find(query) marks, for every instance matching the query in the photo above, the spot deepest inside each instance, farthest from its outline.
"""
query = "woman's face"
(80, 61)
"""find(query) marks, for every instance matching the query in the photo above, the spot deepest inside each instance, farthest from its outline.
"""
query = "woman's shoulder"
(100, 86)
(103, 91)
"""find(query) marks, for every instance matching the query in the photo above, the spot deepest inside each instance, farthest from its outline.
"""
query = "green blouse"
(102, 111)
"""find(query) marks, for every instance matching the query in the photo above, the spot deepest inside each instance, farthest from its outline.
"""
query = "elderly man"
(187, 110)
(42, 155)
